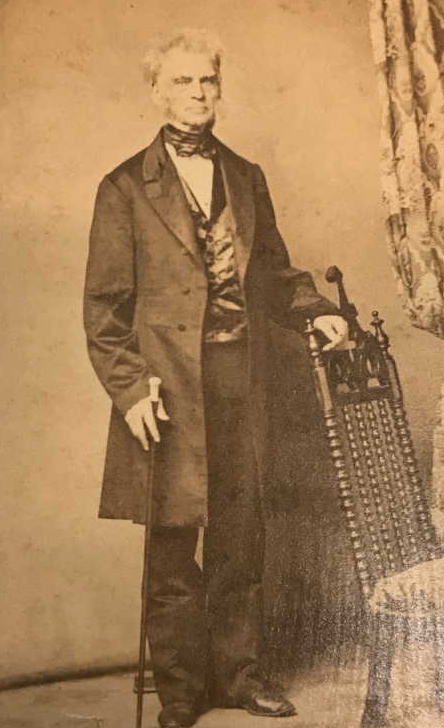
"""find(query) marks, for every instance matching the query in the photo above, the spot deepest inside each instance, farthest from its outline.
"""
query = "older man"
(186, 268)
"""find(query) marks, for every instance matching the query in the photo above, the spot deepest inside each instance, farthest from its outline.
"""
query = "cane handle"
(154, 384)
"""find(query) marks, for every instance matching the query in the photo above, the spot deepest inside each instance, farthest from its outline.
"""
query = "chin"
(198, 122)
(194, 123)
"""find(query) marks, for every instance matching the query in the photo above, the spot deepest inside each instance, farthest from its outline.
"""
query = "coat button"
(185, 251)
(186, 291)
(182, 327)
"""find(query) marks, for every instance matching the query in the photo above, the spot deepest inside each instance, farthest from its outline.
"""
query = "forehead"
(181, 62)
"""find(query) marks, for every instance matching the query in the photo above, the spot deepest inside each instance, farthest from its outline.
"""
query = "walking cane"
(154, 384)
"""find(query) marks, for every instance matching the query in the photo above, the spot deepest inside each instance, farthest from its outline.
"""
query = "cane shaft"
(145, 577)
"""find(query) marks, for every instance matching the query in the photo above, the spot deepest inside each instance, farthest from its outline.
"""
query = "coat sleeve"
(109, 300)
(291, 293)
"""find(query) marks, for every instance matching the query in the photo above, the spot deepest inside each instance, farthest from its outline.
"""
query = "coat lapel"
(240, 199)
(165, 193)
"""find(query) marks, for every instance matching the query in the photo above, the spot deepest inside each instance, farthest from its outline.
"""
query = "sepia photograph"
(223, 306)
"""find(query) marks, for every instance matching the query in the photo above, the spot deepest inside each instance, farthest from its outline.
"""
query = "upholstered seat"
(416, 591)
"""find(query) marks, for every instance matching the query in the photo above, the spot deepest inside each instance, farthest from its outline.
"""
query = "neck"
(197, 130)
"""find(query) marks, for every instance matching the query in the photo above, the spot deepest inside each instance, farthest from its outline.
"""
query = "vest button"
(210, 238)
(185, 251)
(186, 291)
(182, 327)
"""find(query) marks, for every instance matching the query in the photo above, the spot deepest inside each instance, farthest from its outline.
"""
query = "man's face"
(187, 89)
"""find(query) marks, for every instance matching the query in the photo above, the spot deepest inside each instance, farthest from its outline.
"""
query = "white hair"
(197, 40)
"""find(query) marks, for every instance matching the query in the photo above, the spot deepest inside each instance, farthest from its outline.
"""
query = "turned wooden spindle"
(419, 504)
(346, 497)
(365, 494)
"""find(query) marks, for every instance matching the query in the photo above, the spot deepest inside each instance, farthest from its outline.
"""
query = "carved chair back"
(380, 489)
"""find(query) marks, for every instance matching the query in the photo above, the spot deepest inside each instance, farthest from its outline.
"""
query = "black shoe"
(177, 715)
(269, 705)
(148, 683)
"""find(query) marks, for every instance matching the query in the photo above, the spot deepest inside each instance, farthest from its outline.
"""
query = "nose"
(197, 90)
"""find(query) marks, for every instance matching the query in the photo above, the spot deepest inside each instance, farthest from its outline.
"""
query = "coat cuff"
(130, 396)
(323, 307)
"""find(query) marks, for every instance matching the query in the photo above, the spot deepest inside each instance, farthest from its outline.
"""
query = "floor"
(325, 696)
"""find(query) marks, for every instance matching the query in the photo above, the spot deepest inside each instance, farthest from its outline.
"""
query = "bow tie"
(188, 144)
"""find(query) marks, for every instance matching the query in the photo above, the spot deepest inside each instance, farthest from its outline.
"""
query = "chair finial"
(346, 309)
(380, 335)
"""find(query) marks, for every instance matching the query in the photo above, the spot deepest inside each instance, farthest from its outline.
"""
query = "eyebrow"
(211, 78)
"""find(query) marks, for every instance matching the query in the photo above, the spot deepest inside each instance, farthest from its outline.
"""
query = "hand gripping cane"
(158, 409)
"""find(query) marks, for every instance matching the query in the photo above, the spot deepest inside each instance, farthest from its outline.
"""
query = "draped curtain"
(408, 46)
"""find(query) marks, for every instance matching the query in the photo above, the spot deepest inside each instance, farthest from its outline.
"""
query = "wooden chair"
(381, 494)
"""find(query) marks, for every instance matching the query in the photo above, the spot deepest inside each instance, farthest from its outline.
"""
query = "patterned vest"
(225, 318)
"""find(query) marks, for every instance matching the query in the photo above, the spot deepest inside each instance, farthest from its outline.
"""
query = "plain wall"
(301, 100)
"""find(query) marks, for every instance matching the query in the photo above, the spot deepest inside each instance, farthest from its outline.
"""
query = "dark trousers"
(205, 627)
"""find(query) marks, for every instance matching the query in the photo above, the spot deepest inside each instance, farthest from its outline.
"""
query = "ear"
(156, 95)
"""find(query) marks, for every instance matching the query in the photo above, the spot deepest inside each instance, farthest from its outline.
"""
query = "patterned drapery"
(408, 45)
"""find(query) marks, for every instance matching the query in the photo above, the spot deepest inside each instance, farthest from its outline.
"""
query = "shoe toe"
(177, 716)
(271, 706)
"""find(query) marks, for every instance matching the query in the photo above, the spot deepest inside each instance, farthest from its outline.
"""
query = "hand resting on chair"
(335, 328)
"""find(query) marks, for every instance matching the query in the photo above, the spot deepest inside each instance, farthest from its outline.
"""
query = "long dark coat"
(145, 300)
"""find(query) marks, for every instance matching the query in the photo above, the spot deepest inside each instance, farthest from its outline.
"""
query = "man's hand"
(334, 328)
(140, 418)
